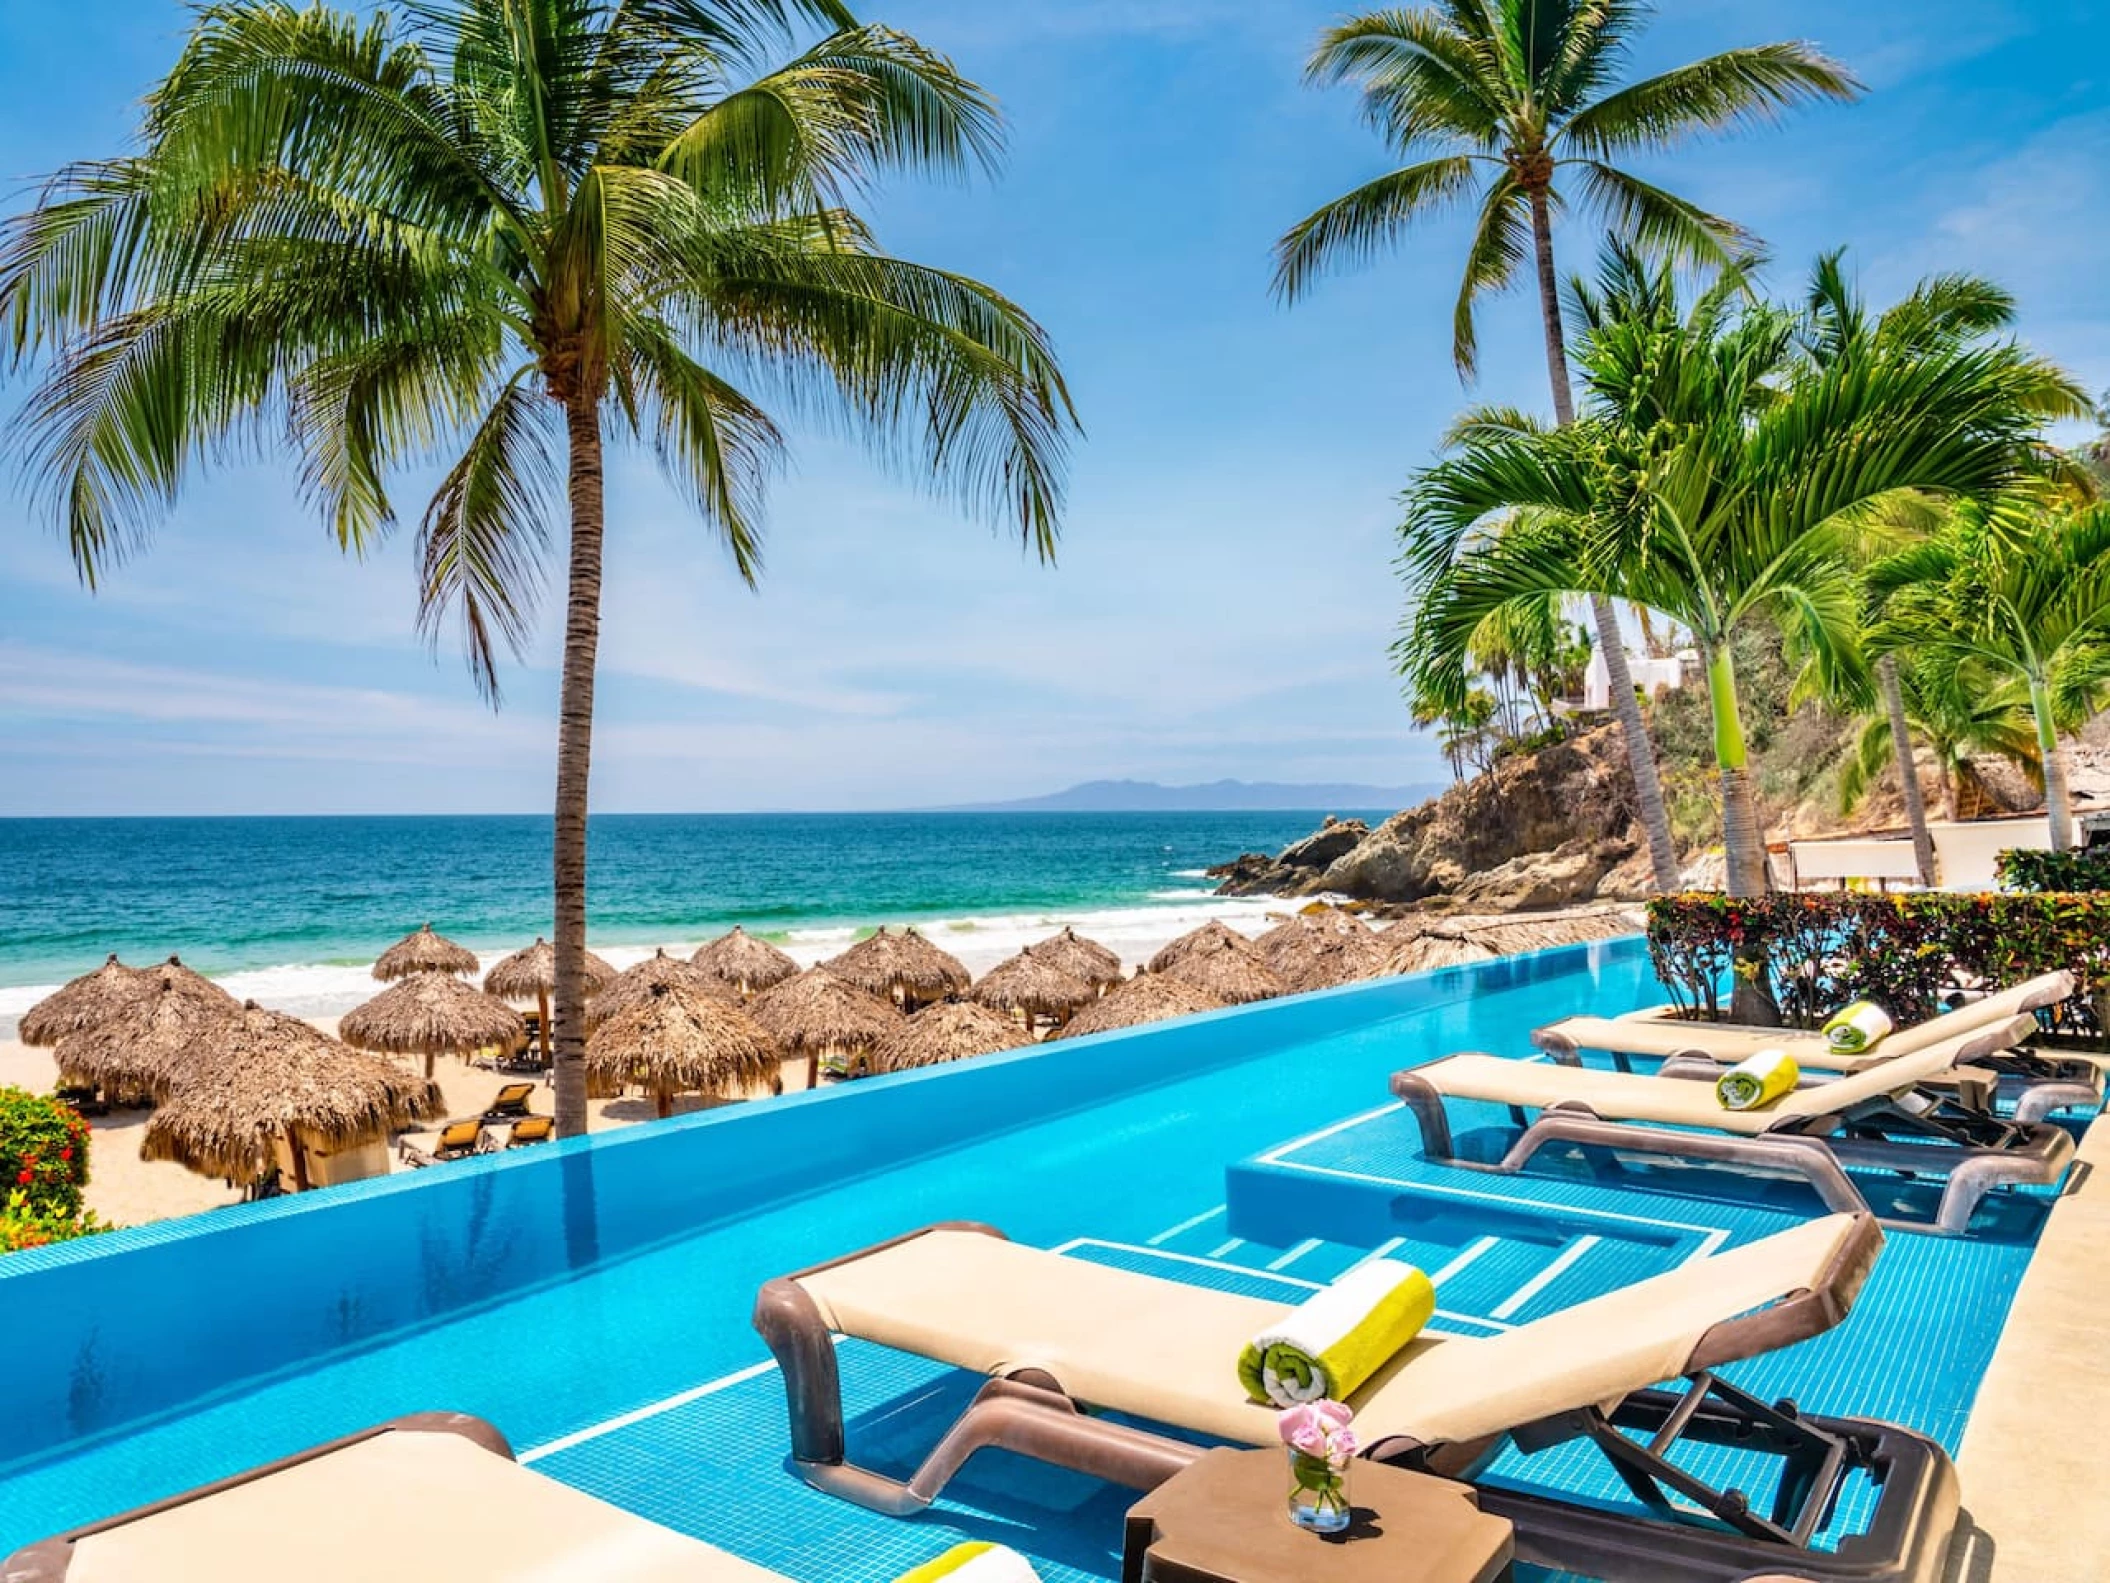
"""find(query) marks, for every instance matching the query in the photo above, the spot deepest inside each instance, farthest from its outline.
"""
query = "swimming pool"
(592, 1299)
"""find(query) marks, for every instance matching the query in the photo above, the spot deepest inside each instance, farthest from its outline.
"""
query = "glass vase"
(1318, 1494)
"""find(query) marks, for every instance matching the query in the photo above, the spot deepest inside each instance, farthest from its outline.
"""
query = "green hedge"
(43, 1152)
(1822, 950)
(2040, 869)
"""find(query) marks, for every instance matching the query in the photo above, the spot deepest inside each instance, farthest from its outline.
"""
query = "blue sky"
(1223, 600)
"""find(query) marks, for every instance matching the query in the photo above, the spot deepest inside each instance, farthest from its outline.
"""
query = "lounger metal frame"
(1975, 1152)
(1906, 1540)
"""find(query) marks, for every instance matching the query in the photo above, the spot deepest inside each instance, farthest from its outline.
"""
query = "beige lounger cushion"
(1681, 1102)
(402, 1504)
(1656, 1033)
(1167, 1351)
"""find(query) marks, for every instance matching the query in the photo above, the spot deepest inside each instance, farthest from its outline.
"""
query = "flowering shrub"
(43, 1153)
(24, 1226)
(1823, 950)
(2038, 869)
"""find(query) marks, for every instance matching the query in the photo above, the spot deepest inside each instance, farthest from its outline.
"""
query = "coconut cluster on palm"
(670, 1037)
(832, 1023)
(744, 964)
(901, 966)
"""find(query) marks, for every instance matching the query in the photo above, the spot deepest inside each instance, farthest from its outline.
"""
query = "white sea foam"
(980, 941)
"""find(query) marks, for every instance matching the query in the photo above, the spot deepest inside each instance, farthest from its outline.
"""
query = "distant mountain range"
(1216, 797)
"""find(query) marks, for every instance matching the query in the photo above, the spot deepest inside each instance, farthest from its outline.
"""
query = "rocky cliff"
(1540, 830)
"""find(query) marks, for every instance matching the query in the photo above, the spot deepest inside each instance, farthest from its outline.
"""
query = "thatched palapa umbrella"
(823, 1018)
(1229, 968)
(948, 1031)
(1427, 948)
(422, 951)
(637, 983)
(268, 1077)
(1211, 936)
(433, 1014)
(1317, 950)
(904, 967)
(531, 974)
(740, 961)
(1080, 958)
(82, 1003)
(670, 1037)
(1028, 985)
(149, 1044)
(1148, 997)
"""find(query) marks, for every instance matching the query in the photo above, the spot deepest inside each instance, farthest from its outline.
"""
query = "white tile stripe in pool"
(1545, 1278)
(1464, 1259)
(1188, 1224)
(1384, 1250)
(1309, 1245)
(1223, 1248)
(638, 1415)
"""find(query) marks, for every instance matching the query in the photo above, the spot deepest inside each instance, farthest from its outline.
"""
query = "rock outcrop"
(1542, 829)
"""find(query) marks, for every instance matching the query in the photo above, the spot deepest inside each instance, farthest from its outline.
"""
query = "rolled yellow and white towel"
(975, 1562)
(1861, 1026)
(1336, 1339)
(1757, 1080)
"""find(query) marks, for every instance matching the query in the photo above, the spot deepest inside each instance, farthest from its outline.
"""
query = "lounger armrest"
(1996, 1039)
(1809, 1312)
(2055, 987)
(1557, 1044)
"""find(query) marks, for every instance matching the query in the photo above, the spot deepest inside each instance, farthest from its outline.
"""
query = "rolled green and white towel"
(975, 1562)
(1328, 1345)
(1757, 1080)
(1861, 1026)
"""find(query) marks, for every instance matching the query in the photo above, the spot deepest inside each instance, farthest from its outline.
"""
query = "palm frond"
(1359, 225)
(1738, 86)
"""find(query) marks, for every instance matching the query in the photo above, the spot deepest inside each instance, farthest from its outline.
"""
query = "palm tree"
(1714, 480)
(1518, 104)
(1959, 710)
(490, 233)
(2021, 587)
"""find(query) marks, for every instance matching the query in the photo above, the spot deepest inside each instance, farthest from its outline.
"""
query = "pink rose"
(1318, 1429)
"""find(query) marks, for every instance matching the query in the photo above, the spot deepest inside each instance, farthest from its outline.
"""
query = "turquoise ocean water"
(293, 909)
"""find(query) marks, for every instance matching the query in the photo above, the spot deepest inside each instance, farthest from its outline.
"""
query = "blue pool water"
(592, 1299)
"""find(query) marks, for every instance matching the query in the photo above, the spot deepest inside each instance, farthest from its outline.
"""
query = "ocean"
(292, 911)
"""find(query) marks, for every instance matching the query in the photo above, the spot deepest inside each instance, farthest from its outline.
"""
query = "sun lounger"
(1056, 1334)
(1660, 1033)
(510, 1101)
(1879, 1118)
(531, 1129)
(461, 1138)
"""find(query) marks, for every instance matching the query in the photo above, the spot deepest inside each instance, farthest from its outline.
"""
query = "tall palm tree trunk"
(1611, 643)
(2058, 803)
(1908, 770)
(582, 637)
(1751, 996)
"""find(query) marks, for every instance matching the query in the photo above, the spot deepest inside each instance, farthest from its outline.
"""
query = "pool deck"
(2031, 1464)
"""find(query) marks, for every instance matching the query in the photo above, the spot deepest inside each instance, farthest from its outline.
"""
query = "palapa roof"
(888, 961)
(949, 1031)
(268, 1073)
(1417, 945)
(532, 971)
(82, 1003)
(637, 983)
(1031, 983)
(1320, 950)
(161, 1036)
(1080, 957)
(818, 1011)
(422, 951)
(673, 1036)
(1148, 997)
(1230, 971)
(738, 959)
(1211, 936)
(433, 1014)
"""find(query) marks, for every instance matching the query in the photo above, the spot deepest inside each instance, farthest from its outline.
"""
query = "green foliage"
(2034, 869)
(1518, 105)
(1823, 950)
(43, 1152)
(23, 1225)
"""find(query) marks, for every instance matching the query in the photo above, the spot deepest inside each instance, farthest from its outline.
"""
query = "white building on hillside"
(1648, 674)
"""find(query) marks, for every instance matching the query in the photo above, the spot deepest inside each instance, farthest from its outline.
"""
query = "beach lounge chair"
(1880, 1118)
(531, 1129)
(459, 1139)
(1057, 1334)
(341, 1512)
(510, 1101)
